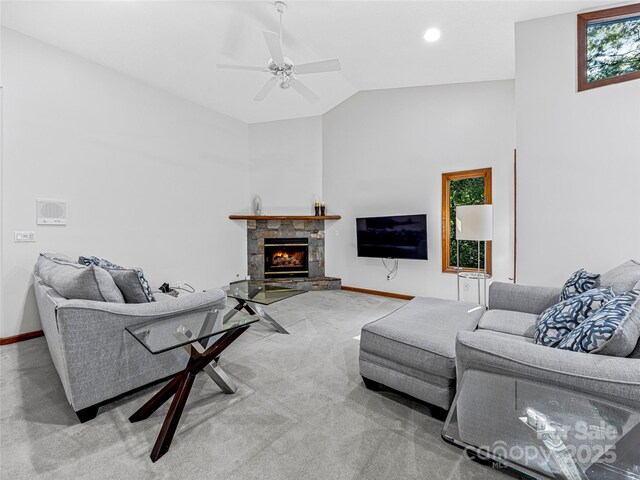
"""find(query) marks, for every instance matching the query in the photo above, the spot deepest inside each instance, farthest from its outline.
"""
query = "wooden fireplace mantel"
(284, 217)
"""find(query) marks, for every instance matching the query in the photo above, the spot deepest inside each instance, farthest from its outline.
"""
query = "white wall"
(384, 154)
(578, 160)
(286, 165)
(149, 178)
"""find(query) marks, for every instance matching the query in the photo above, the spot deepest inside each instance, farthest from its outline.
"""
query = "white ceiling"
(175, 45)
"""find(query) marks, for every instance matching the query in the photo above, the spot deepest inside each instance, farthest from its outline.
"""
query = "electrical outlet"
(24, 237)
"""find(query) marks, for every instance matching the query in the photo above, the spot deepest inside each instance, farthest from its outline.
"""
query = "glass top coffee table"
(204, 334)
(544, 431)
(250, 295)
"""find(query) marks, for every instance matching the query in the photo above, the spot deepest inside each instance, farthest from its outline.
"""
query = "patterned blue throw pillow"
(134, 291)
(98, 262)
(612, 330)
(556, 322)
(578, 283)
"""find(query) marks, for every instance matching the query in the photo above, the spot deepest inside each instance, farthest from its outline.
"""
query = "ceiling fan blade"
(275, 48)
(302, 89)
(267, 87)
(318, 67)
(242, 67)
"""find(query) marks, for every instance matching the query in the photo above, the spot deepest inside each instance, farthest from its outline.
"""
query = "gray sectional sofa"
(96, 359)
(426, 346)
(504, 342)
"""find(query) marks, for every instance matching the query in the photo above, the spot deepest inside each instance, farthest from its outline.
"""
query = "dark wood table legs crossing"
(179, 387)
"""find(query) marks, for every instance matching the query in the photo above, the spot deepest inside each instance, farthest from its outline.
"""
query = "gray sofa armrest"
(522, 298)
(182, 304)
(600, 375)
(100, 360)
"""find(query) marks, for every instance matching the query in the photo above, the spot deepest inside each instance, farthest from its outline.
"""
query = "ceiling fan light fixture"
(282, 69)
(432, 35)
(286, 83)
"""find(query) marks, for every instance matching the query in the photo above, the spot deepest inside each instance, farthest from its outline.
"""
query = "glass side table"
(250, 295)
(474, 276)
(544, 431)
(204, 335)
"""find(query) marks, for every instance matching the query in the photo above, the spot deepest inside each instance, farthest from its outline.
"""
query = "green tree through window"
(608, 46)
(465, 191)
(613, 48)
(468, 187)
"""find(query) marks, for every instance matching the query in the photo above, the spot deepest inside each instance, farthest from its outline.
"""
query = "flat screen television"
(401, 236)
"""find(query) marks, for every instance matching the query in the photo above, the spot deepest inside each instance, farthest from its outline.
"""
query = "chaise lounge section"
(412, 350)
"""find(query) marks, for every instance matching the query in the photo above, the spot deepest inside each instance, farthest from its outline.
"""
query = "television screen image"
(402, 237)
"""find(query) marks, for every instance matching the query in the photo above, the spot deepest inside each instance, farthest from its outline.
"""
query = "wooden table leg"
(163, 442)
(158, 399)
(180, 386)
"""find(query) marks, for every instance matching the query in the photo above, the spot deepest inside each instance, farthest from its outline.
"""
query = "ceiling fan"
(282, 69)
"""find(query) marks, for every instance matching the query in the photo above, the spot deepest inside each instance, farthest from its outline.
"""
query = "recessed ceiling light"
(432, 35)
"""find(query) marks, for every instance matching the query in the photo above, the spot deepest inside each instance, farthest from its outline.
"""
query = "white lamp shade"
(474, 222)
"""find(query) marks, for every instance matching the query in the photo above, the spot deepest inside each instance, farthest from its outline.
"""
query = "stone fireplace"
(288, 251)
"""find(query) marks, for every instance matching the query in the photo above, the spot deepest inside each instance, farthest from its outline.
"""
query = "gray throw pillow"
(131, 281)
(128, 281)
(623, 278)
(57, 256)
(74, 281)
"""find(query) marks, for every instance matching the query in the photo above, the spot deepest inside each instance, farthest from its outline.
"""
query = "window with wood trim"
(608, 46)
(469, 187)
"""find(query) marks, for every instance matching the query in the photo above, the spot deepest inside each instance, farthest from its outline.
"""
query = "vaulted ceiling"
(175, 45)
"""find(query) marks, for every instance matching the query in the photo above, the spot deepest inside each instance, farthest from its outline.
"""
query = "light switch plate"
(24, 237)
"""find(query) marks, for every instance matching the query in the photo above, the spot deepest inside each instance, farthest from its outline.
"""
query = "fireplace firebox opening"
(286, 257)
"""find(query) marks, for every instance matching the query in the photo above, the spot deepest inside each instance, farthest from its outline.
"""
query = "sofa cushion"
(522, 298)
(507, 321)
(421, 334)
(612, 330)
(579, 282)
(163, 297)
(74, 281)
(131, 281)
(499, 336)
(556, 322)
(623, 278)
